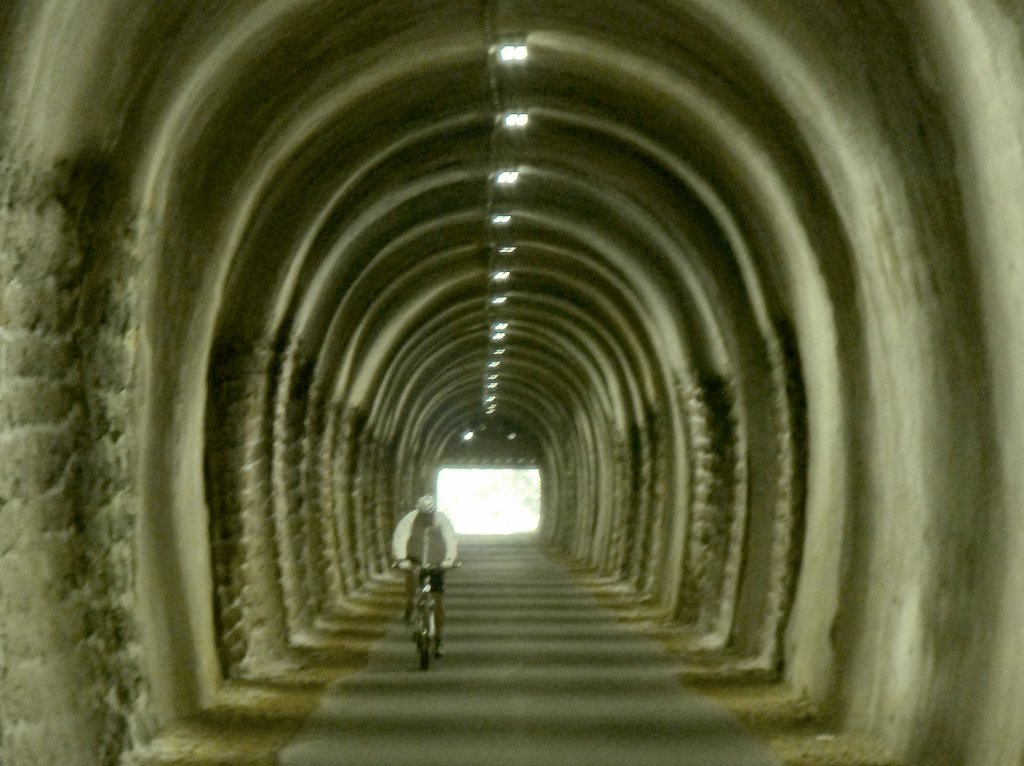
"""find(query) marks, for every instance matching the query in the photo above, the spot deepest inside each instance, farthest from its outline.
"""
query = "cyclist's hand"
(405, 564)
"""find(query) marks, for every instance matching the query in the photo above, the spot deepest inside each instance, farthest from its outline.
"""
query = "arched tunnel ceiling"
(347, 173)
(336, 178)
(326, 180)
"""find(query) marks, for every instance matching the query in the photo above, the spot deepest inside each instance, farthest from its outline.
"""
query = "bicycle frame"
(424, 619)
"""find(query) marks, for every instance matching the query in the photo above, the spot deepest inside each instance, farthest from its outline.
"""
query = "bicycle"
(424, 616)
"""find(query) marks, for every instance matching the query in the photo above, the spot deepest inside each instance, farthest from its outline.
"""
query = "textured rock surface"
(763, 288)
(73, 686)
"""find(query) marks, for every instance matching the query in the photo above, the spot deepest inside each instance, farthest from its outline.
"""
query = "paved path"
(535, 674)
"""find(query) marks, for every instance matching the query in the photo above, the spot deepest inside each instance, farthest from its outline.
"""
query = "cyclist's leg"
(439, 614)
(410, 591)
(437, 583)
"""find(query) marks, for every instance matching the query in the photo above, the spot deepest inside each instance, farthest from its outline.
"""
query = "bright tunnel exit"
(490, 501)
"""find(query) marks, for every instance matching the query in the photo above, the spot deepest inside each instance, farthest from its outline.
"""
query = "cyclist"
(425, 537)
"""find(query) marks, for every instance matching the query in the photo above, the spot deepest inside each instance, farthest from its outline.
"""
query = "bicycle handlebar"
(410, 564)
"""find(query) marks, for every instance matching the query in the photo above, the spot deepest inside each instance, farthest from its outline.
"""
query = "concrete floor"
(535, 673)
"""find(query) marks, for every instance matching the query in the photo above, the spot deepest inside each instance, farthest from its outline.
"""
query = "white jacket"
(430, 541)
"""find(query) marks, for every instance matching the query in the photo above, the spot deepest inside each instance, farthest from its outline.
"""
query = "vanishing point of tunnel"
(744, 279)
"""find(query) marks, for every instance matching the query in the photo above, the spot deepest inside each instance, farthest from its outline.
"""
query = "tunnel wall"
(917, 543)
(979, 62)
(132, 584)
(74, 687)
(251, 629)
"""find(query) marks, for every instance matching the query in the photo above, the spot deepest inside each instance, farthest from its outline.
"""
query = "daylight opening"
(490, 501)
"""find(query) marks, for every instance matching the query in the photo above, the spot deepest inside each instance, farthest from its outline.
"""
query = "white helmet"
(426, 504)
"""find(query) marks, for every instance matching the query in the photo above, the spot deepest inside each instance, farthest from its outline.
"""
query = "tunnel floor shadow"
(535, 673)
(250, 720)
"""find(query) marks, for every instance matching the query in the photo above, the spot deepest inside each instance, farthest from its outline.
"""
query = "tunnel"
(741, 279)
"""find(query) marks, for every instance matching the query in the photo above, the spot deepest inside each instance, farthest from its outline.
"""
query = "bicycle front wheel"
(423, 635)
(423, 645)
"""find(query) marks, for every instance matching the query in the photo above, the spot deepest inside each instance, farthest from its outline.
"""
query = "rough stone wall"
(225, 417)
(712, 427)
(552, 518)
(788, 513)
(621, 531)
(71, 686)
(576, 498)
(565, 509)
(251, 621)
(343, 473)
(289, 416)
(354, 486)
(362, 497)
(373, 507)
(311, 510)
(720, 532)
(386, 501)
(640, 458)
(322, 486)
(654, 494)
(262, 594)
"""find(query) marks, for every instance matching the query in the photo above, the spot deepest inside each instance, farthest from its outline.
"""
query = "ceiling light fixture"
(499, 299)
(516, 119)
(511, 53)
(501, 218)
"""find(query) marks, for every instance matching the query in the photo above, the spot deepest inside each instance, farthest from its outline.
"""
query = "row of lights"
(510, 54)
(469, 434)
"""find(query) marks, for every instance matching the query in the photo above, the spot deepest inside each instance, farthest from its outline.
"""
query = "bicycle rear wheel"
(424, 650)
